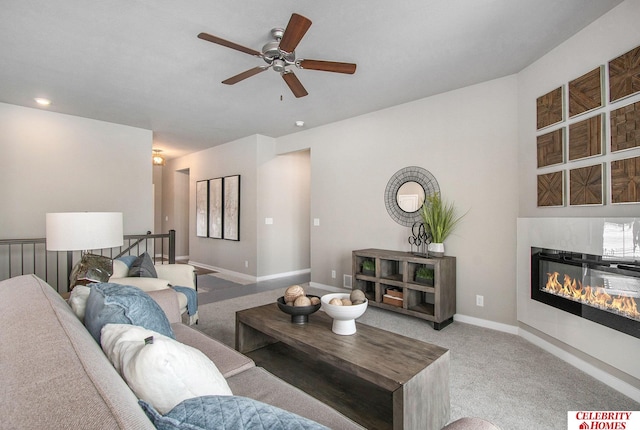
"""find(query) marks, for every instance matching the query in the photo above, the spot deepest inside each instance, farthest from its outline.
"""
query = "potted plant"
(369, 268)
(424, 275)
(440, 219)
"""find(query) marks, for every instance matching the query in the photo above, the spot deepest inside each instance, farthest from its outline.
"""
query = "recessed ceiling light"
(299, 123)
(42, 102)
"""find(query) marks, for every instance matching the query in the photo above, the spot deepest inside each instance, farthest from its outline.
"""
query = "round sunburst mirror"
(406, 192)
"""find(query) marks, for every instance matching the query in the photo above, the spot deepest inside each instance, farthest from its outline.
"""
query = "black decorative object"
(408, 176)
(299, 314)
(419, 238)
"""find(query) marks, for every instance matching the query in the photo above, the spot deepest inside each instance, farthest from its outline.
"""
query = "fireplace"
(603, 289)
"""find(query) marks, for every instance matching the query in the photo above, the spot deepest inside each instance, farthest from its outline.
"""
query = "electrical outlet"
(333, 274)
(246, 263)
(479, 300)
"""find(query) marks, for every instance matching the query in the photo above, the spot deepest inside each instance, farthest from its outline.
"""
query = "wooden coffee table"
(414, 373)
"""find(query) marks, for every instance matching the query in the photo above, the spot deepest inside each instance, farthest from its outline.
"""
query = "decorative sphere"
(346, 302)
(302, 301)
(293, 292)
(336, 302)
(357, 296)
(314, 300)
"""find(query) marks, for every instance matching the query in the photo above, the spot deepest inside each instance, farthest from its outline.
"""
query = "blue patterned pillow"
(123, 304)
(227, 413)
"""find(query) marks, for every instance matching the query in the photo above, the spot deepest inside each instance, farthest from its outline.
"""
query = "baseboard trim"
(602, 376)
(329, 288)
(225, 271)
(284, 275)
(506, 328)
(250, 277)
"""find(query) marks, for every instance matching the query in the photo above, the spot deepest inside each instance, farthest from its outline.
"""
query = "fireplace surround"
(609, 354)
(602, 289)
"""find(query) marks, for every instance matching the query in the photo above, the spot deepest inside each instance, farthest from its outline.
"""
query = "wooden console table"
(395, 276)
(415, 373)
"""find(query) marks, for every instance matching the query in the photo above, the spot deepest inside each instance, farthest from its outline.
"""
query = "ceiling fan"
(280, 55)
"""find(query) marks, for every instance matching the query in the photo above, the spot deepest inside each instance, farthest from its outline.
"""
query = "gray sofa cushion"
(123, 304)
(227, 413)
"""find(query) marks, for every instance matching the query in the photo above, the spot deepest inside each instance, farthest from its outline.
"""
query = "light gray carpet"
(496, 376)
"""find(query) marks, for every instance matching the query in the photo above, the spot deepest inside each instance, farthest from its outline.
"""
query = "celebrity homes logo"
(603, 420)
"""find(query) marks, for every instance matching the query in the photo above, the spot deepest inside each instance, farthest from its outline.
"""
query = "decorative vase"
(436, 249)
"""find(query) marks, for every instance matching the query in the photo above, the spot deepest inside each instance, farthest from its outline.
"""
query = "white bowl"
(343, 316)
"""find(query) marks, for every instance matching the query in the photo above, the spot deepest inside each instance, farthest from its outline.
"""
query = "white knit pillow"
(78, 300)
(162, 372)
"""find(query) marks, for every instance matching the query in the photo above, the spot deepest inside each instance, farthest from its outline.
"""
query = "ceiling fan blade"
(294, 84)
(295, 31)
(219, 41)
(328, 66)
(244, 75)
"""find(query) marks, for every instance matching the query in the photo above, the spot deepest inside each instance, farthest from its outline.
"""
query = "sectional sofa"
(55, 375)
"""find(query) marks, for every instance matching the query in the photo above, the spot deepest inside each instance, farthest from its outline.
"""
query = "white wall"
(283, 197)
(468, 140)
(60, 163)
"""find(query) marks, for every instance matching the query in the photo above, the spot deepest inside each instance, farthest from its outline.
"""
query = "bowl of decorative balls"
(298, 304)
(344, 308)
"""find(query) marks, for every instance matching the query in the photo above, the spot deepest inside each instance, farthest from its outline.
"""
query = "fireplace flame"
(593, 296)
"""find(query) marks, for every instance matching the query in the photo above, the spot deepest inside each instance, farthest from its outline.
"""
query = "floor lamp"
(83, 231)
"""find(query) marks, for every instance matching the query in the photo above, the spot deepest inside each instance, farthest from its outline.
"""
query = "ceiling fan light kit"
(280, 55)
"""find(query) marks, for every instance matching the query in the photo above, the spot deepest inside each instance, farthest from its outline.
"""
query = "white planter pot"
(436, 249)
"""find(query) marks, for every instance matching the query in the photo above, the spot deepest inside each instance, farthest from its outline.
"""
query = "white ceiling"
(139, 62)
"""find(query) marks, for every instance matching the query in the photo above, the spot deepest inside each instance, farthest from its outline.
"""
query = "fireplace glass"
(602, 289)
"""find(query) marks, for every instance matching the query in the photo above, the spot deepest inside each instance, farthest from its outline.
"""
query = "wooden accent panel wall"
(625, 127)
(624, 75)
(625, 180)
(551, 189)
(585, 92)
(585, 186)
(551, 148)
(549, 108)
(585, 138)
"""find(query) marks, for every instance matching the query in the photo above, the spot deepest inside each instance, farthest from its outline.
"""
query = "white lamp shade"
(82, 231)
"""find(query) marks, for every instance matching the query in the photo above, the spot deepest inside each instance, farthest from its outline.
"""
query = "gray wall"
(467, 140)
(60, 163)
(275, 187)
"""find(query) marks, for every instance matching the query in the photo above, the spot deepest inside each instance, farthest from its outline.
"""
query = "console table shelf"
(394, 287)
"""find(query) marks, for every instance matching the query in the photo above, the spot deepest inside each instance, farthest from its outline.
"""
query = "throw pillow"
(78, 300)
(160, 370)
(143, 267)
(91, 268)
(227, 412)
(127, 259)
(123, 304)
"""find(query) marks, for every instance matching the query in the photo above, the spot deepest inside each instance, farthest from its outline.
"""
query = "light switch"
(316, 222)
(268, 221)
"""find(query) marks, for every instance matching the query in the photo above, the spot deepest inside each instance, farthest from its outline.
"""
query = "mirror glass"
(410, 196)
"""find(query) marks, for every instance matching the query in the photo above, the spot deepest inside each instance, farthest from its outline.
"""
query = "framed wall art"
(231, 211)
(585, 186)
(549, 109)
(202, 203)
(551, 189)
(624, 123)
(550, 148)
(585, 92)
(624, 75)
(585, 138)
(625, 180)
(215, 208)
